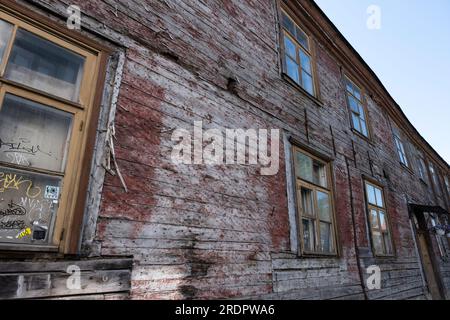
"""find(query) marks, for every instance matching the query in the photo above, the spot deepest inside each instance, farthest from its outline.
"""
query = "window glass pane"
(350, 87)
(307, 202)
(383, 221)
(357, 93)
(379, 196)
(307, 83)
(377, 242)
(292, 69)
(33, 135)
(374, 219)
(323, 203)
(290, 47)
(302, 38)
(309, 235)
(45, 66)
(355, 120)
(28, 206)
(361, 111)
(364, 127)
(387, 243)
(371, 194)
(353, 104)
(447, 184)
(304, 167)
(320, 176)
(5, 35)
(326, 237)
(305, 61)
(288, 24)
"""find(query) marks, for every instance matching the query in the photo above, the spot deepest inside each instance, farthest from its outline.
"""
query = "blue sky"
(410, 54)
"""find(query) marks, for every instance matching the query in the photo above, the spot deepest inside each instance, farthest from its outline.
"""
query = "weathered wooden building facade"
(88, 185)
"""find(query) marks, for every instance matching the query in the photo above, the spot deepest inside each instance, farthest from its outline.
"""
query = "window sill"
(311, 97)
(28, 248)
(312, 255)
(406, 168)
(359, 134)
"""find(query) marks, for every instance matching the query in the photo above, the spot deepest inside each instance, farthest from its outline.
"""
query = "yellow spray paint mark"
(24, 233)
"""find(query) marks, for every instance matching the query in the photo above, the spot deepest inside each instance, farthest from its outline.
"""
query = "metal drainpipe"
(361, 277)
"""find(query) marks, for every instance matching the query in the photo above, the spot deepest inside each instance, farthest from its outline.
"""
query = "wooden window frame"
(310, 52)
(369, 208)
(363, 102)
(422, 167)
(85, 113)
(299, 183)
(401, 148)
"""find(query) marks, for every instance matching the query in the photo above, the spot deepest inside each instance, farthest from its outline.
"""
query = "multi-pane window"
(46, 96)
(378, 220)
(421, 166)
(447, 185)
(314, 204)
(297, 54)
(355, 102)
(434, 178)
(400, 147)
(434, 222)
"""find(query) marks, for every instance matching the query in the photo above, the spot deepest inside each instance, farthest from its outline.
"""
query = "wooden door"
(428, 267)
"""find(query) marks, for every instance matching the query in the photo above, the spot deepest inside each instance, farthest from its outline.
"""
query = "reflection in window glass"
(290, 48)
(28, 203)
(33, 135)
(5, 35)
(371, 194)
(311, 170)
(383, 221)
(379, 197)
(374, 219)
(292, 69)
(307, 82)
(45, 66)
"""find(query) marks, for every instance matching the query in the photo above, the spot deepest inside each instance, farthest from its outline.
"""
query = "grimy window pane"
(5, 35)
(320, 176)
(33, 135)
(325, 237)
(323, 203)
(45, 66)
(28, 206)
(309, 235)
(302, 38)
(383, 221)
(304, 167)
(378, 242)
(307, 202)
(375, 224)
